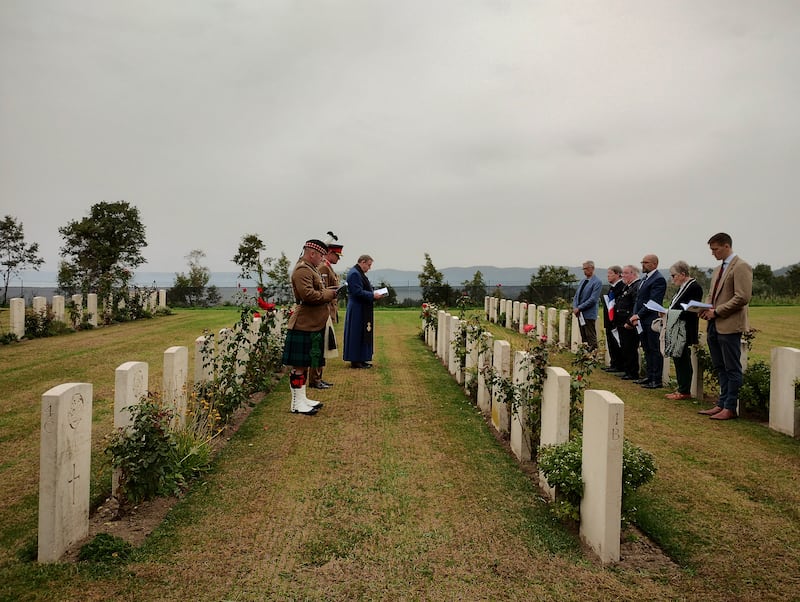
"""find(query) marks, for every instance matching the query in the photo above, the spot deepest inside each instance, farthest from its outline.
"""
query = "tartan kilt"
(303, 348)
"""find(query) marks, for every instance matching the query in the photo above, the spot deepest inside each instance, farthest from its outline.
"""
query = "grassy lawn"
(397, 490)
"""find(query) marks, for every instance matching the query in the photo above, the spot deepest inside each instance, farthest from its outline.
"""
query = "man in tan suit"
(731, 289)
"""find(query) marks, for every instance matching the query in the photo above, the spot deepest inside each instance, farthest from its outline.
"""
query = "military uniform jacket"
(330, 278)
(311, 312)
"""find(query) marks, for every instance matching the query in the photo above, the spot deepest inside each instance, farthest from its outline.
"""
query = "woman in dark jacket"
(688, 290)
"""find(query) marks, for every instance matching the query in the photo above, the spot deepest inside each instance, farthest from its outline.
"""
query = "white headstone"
(39, 305)
(64, 468)
(515, 309)
(91, 308)
(58, 308)
(784, 414)
(502, 367)
(540, 322)
(204, 359)
(454, 362)
(77, 301)
(471, 360)
(575, 335)
(509, 314)
(176, 368)
(601, 505)
(520, 439)
(162, 298)
(130, 387)
(484, 362)
(562, 327)
(552, 316)
(17, 316)
(523, 316)
(555, 414)
(532, 313)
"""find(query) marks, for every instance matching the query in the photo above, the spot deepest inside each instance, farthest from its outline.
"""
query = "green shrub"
(754, 392)
(145, 454)
(561, 465)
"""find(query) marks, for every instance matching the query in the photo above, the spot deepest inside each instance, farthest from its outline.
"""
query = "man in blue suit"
(584, 305)
(652, 288)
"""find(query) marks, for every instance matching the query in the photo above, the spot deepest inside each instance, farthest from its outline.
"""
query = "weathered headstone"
(562, 327)
(601, 505)
(64, 468)
(552, 316)
(532, 313)
(484, 363)
(784, 413)
(130, 387)
(58, 308)
(162, 298)
(555, 414)
(501, 363)
(91, 308)
(575, 335)
(204, 359)
(176, 368)
(520, 439)
(523, 316)
(454, 361)
(39, 305)
(16, 316)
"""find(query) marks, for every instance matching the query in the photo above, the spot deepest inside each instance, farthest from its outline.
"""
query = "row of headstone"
(66, 435)
(784, 406)
(601, 504)
(154, 300)
(548, 321)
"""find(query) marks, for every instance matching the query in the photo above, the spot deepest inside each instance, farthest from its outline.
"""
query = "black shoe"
(642, 381)
(616, 373)
(651, 386)
(325, 382)
(360, 365)
(628, 377)
(320, 385)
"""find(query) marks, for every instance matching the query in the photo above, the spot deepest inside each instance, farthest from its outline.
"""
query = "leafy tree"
(431, 282)
(101, 250)
(248, 258)
(763, 280)
(191, 289)
(475, 289)
(550, 283)
(280, 281)
(15, 255)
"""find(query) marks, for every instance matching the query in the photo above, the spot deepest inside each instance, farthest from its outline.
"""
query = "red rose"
(264, 305)
(256, 314)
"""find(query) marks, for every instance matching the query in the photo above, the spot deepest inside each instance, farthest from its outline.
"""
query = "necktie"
(716, 282)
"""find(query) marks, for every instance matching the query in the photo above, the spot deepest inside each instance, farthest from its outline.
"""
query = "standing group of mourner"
(634, 316)
(310, 338)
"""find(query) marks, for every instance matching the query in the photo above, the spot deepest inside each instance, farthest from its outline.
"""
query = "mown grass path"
(398, 491)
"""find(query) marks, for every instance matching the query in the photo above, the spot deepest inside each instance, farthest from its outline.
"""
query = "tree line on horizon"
(101, 251)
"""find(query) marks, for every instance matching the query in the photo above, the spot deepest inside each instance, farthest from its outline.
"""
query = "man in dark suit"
(652, 288)
(731, 289)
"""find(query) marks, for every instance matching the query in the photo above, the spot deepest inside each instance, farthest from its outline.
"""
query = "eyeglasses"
(673, 275)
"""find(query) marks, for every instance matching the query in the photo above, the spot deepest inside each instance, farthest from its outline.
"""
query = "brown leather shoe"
(725, 414)
(710, 411)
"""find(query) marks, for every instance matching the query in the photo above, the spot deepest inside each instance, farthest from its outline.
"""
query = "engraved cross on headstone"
(72, 482)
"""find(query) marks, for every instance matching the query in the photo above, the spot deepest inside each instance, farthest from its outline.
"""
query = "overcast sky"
(495, 132)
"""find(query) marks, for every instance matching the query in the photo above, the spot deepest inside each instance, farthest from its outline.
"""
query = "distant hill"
(456, 276)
